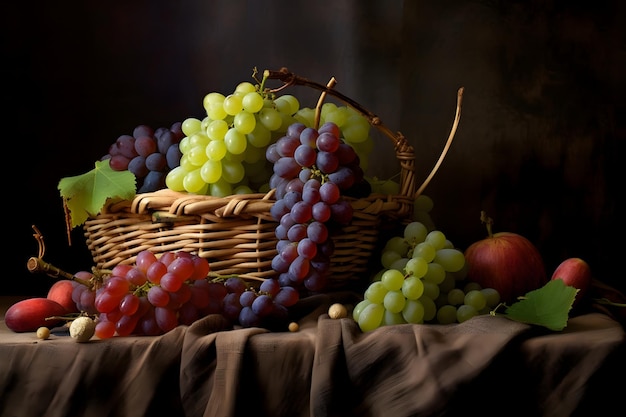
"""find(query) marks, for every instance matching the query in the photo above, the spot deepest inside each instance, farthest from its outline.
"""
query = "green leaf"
(548, 306)
(86, 194)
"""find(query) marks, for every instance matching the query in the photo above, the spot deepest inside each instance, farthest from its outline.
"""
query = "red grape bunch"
(313, 170)
(149, 154)
(157, 294)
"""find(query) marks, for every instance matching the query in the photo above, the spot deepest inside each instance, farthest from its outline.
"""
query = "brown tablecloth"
(487, 365)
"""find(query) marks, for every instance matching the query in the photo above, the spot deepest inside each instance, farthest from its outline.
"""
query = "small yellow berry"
(82, 329)
(43, 333)
(337, 311)
(293, 326)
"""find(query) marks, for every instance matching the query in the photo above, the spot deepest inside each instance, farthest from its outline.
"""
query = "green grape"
(243, 189)
(446, 314)
(394, 301)
(412, 288)
(399, 264)
(244, 88)
(197, 155)
(390, 188)
(424, 250)
(185, 144)
(211, 171)
(239, 157)
(423, 203)
(339, 115)
(431, 290)
(287, 104)
(306, 116)
(244, 122)
(376, 292)
(186, 164)
(492, 297)
(436, 238)
(450, 259)
(270, 118)
(397, 244)
(415, 232)
(472, 286)
(448, 244)
(213, 98)
(388, 257)
(424, 218)
(465, 312)
(371, 317)
(392, 279)
(235, 141)
(413, 312)
(430, 308)
(252, 102)
(190, 126)
(390, 318)
(233, 104)
(216, 111)
(435, 273)
(359, 307)
(448, 283)
(198, 139)
(356, 129)
(232, 172)
(192, 182)
(254, 154)
(416, 267)
(476, 299)
(174, 179)
(216, 129)
(216, 150)
(220, 188)
(456, 297)
(260, 137)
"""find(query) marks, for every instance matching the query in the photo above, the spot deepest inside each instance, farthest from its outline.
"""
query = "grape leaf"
(548, 306)
(86, 194)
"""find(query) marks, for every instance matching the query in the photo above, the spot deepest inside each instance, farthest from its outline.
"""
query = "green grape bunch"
(422, 280)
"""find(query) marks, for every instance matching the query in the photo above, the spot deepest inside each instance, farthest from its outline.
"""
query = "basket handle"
(404, 151)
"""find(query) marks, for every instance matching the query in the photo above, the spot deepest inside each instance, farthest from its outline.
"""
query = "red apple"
(507, 262)
(576, 273)
(30, 314)
(61, 292)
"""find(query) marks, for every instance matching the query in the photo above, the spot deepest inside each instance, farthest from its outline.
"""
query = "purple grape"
(327, 142)
(263, 305)
(317, 232)
(305, 155)
(156, 162)
(287, 296)
(327, 162)
(287, 167)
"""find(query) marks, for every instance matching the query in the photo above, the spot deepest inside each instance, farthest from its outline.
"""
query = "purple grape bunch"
(148, 153)
(313, 170)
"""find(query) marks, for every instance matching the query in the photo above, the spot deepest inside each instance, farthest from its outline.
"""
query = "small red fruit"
(507, 262)
(30, 314)
(61, 292)
(575, 272)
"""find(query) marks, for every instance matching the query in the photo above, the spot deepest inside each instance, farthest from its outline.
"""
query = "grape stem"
(607, 302)
(36, 264)
(400, 142)
(488, 221)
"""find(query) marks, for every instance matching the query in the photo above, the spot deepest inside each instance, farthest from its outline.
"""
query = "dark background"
(540, 146)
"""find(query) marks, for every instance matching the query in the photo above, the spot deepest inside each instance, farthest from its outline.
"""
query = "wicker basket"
(236, 233)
